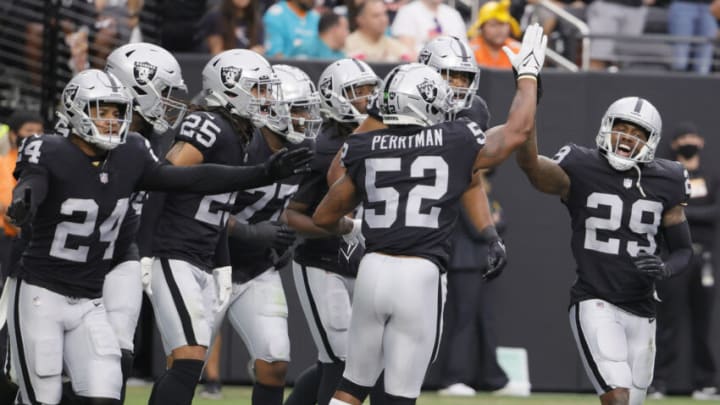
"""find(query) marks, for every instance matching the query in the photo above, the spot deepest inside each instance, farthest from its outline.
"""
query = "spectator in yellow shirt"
(491, 31)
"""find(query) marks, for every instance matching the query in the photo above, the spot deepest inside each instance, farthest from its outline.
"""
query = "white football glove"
(355, 236)
(146, 274)
(223, 283)
(529, 61)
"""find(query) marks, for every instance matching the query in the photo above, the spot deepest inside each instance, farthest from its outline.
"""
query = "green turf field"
(241, 396)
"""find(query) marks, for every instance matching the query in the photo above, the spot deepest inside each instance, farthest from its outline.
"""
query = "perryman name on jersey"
(426, 137)
(410, 180)
(615, 215)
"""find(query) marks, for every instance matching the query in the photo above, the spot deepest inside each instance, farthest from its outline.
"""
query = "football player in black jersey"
(153, 78)
(260, 243)
(74, 191)
(410, 179)
(241, 91)
(323, 285)
(622, 202)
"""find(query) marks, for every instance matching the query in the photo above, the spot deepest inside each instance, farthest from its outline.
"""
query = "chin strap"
(638, 185)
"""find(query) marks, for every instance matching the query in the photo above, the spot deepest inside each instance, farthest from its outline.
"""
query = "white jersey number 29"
(391, 197)
(613, 222)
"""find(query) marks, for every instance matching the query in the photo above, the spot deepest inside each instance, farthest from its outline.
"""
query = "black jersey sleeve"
(32, 172)
(201, 130)
(681, 189)
(310, 188)
(206, 178)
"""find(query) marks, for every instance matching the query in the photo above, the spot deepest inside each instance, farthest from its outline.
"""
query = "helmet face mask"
(297, 117)
(244, 83)
(455, 61)
(97, 108)
(346, 88)
(151, 74)
(619, 137)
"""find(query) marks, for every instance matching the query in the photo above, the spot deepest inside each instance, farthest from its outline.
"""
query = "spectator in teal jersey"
(290, 25)
(333, 30)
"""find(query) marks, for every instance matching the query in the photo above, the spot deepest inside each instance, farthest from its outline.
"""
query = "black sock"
(126, 364)
(393, 400)
(377, 395)
(329, 380)
(305, 391)
(266, 395)
(177, 385)
(97, 401)
(8, 390)
(68, 395)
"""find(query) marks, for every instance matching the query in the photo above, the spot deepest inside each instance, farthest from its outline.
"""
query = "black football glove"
(274, 235)
(497, 260)
(20, 211)
(284, 164)
(652, 266)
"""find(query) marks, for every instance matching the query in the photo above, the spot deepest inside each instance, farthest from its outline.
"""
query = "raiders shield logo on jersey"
(428, 90)
(229, 75)
(144, 72)
(69, 95)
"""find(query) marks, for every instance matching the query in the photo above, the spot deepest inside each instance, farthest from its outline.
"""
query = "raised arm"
(504, 139)
(545, 174)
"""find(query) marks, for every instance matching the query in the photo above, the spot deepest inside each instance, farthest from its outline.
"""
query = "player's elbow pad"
(679, 243)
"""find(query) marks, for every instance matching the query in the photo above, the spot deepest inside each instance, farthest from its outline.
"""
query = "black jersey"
(702, 210)
(257, 205)
(189, 226)
(410, 180)
(320, 252)
(76, 226)
(478, 113)
(612, 221)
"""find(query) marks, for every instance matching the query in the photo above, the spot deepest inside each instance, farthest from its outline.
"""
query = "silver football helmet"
(151, 75)
(450, 56)
(83, 100)
(243, 82)
(341, 84)
(634, 110)
(415, 94)
(299, 118)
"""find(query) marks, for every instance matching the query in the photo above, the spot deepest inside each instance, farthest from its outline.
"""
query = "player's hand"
(355, 235)
(223, 285)
(20, 210)
(529, 60)
(285, 163)
(273, 234)
(146, 274)
(497, 260)
(651, 265)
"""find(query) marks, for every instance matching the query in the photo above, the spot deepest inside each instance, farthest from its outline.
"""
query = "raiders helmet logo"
(69, 95)
(428, 90)
(424, 56)
(230, 75)
(144, 72)
(326, 88)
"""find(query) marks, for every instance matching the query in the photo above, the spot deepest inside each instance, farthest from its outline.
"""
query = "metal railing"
(579, 24)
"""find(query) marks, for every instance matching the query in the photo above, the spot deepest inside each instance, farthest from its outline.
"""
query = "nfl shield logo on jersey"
(144, 72)
(104, 178)
(627, 183)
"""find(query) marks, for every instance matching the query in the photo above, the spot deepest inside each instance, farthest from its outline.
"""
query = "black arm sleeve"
(34, 178)
(151, 210)
(206, 178)
(222, 252)
(680, 245)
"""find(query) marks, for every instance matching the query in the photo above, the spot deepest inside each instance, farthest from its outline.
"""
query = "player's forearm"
(340, 226)
(521, 118)
(679, 244)
(205, 178)
(304, 225)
